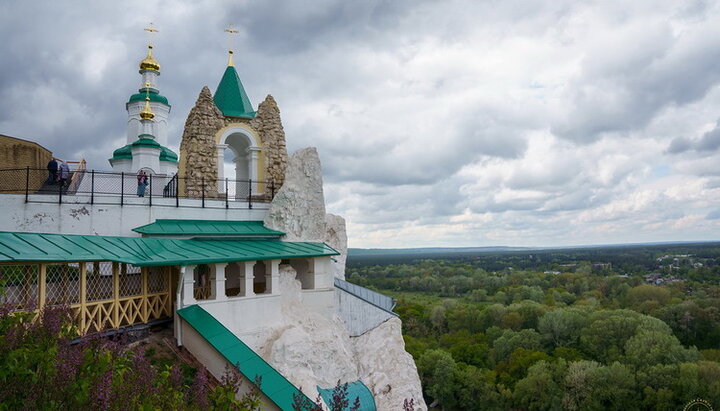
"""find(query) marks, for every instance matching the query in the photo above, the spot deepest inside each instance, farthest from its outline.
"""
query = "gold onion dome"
(146, 113)
(149, 63)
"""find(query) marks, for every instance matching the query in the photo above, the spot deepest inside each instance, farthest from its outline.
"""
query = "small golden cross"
(230, 31)
(150, 31)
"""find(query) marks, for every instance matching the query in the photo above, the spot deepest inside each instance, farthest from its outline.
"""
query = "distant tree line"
(525, 339)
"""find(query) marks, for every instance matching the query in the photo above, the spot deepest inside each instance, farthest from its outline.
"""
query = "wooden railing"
(102, 295)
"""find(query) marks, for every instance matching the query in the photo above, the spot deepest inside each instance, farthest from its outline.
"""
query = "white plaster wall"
(77, 216)
(146, 157)
(319, 301)
(358, 315)
(249, 318)
(324, 277)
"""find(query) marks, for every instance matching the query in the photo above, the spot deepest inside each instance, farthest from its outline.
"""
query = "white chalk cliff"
(310, 348)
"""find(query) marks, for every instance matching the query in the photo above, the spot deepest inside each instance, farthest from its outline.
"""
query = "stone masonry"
(268, 124)
(198, 153)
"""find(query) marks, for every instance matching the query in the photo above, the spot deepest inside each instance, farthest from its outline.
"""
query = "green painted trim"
(208, 228)
(276, 387)
(149, 252)
(230, 96)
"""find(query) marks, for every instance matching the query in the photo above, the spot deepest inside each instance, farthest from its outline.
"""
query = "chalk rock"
(310, 349)
(386, 368)
(336, 237)
(299, 206)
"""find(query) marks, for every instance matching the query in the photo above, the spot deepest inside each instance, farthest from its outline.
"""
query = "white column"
(272, 277)
(253, 155)
(218, 289)
(188, 275)
(221, 167)
(246, 281)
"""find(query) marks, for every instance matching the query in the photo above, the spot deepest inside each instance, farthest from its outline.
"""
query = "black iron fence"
(102, 187)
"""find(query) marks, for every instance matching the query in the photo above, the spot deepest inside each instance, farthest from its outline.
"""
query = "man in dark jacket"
(52, 167)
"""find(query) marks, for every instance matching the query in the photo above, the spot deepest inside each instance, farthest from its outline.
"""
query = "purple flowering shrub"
(42, 368)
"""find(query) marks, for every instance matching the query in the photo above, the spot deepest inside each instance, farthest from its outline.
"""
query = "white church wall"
(160, 122)
(77, 216)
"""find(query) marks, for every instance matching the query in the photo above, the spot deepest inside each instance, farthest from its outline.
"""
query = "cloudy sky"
(439, 123)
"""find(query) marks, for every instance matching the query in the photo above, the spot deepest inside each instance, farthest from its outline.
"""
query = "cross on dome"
(230, 31)
(149, 63)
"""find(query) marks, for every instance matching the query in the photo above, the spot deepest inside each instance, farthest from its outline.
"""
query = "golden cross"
(230, 31)
(150, 31)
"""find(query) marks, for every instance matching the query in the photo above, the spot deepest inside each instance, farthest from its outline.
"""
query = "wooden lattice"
(100, 296)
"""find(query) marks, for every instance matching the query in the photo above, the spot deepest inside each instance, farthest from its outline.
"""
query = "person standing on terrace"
(52, 167)
(142, 179)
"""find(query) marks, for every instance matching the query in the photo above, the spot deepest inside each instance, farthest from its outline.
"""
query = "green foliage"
(583, 339)
(41, 368)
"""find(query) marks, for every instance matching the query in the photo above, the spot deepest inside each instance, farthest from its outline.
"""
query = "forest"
(573, 329)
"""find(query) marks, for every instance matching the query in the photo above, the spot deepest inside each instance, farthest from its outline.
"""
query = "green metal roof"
(154, 96)
(230, 96)
(147, 252)
(168, 155)
(208, 227)
(165, 154)
(145, 142)
(356, 389)
(122, 152)
(273, 384)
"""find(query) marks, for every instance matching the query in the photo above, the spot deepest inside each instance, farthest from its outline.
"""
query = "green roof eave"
(154, 96)
(274, 385)
(149, 252)
(230, 96)
(146, 142)
(122, 153)
(168, 155)
(207, 228)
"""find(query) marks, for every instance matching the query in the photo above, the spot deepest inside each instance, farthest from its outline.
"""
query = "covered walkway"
(114, 282)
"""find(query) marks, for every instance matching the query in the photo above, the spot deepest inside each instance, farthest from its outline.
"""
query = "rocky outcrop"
(198, 152)
(311, 349)
(269, 126)
(336, 237)
(299, 206)
(386, 368)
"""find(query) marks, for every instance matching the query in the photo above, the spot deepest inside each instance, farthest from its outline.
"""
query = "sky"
(438, 123)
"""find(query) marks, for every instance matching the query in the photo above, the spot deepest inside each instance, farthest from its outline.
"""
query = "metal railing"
(102, 187)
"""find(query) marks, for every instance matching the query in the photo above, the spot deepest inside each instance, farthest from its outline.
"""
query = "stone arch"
(246, 147)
